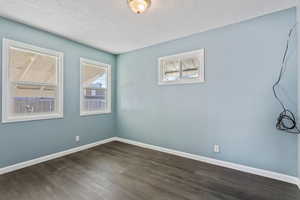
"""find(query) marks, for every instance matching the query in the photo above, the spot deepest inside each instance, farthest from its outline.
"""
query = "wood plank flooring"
(118, 171)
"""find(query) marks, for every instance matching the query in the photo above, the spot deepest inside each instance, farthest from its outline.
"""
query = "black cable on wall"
(286, 120)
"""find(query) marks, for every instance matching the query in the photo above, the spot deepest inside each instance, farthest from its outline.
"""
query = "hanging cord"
(286, 120)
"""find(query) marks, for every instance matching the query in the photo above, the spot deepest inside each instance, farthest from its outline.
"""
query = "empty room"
(149, 100)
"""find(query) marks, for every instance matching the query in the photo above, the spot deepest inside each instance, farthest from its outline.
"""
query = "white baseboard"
(243, 168)
(52, 156)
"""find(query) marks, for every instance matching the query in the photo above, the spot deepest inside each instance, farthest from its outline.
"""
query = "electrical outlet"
(77, 138)
(216, 148)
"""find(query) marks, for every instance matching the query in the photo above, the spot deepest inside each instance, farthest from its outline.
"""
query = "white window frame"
(7, 43)
(179, 56)
(109, 78)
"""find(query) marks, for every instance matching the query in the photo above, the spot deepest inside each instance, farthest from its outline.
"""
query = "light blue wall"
(298, 68)
(28, 140)
(235, 108)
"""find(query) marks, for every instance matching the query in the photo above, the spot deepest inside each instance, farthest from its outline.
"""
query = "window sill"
(95, 113)
(32, 118)
(182, 82)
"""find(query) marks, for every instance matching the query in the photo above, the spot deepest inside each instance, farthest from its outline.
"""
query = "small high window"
(32, 82)
(182, 68)
(95, 87)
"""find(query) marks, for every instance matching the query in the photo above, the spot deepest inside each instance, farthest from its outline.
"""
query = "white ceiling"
(110, 25)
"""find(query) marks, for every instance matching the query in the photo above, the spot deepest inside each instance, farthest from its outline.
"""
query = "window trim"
(109, 78)
(182, 81)
(7, 43)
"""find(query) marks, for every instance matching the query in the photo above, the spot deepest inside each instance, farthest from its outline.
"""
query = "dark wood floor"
(118, 171)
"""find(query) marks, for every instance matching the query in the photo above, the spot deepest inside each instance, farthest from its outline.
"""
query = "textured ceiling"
(110, 25)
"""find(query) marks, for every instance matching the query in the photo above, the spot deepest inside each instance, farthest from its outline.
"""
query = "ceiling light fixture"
(139, 6)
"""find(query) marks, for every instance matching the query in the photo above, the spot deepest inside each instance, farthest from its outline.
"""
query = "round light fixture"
(139, 6)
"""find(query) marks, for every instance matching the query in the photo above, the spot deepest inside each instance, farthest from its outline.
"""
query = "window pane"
(182, 68)
(26, 105)
(171, 70)
(190, 68)
(30, 99)
(95, 87)
(30, 66)
(33, 79)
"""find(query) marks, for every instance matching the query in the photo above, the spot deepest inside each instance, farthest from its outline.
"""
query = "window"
(32, 82)
(95, 92)
(182, 68)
